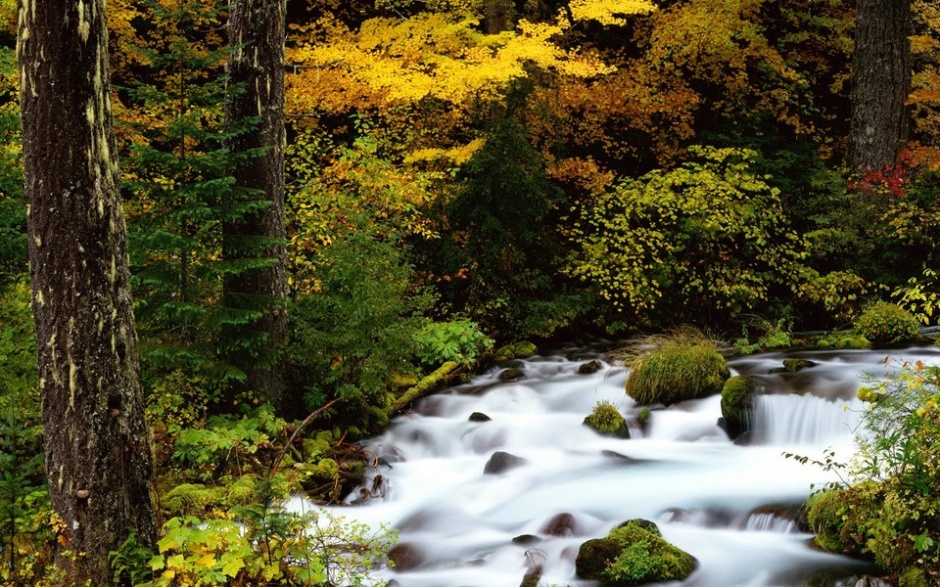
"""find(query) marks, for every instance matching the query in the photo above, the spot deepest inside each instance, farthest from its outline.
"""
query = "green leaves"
(709, 235)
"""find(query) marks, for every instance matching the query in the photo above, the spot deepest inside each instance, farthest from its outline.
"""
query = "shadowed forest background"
(459, 176)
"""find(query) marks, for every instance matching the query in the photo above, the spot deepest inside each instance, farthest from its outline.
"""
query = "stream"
(731, 505)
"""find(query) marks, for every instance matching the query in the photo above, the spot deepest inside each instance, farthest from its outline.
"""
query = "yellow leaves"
(455, 155)
(609, 12)
(430, 55)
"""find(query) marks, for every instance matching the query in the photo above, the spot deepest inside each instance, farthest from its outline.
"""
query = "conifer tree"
(180, 176)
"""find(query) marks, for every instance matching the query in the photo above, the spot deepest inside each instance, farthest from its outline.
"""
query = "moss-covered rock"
(632, 554)
(737, 403)
(885, 322)
(676, 372)
(519, 350)
(838, 516)
(607, 421)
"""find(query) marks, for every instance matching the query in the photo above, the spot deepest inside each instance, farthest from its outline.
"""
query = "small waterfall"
(764, 522)
(804, 420)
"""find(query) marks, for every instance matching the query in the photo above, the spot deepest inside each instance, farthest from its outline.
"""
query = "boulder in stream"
(737, 403)
(607, 421)
(501, 462)
(633, 554)
(677, 371)
(405, 557)
(511, 374)
(590, 367)
(479, 417)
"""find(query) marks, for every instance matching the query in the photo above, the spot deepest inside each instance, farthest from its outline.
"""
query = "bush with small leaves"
(885, 322)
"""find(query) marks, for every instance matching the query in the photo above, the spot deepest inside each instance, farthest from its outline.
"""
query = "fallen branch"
(290, 441)
(424, 387)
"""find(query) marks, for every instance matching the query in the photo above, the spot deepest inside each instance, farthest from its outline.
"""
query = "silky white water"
(726, 504)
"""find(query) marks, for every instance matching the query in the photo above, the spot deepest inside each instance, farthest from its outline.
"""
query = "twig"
(290, 441)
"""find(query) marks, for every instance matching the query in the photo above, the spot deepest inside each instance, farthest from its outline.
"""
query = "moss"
(676, 372)
(737, 402)
(644, 416)
(912, 577)
(839, 517)
(519, 350)
(633, 554)
(887, 323)
(190, 499)
(606, 420)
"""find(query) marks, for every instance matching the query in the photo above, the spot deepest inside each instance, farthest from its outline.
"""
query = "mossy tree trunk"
(882, 81)
(96, 440)
(256, 65)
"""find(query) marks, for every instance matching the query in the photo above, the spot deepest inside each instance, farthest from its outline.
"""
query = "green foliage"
(843, 340)
(460, 341)
(12, 206)
(317, 548)
(23, 497)
(501, 241)
(178, 172)
(130, 561)
(607, 420)
(886, 322)
(920, 296)
(228, 445)
(359, 328)
(681, 368)
(710, 235)
(892, 512)
(771, 335)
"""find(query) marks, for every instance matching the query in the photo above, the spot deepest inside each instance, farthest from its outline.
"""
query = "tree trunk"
(96, 440)
(256, 66)
(882, 82)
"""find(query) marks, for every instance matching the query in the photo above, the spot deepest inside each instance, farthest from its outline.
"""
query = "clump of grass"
(683, 365)
(606, 420)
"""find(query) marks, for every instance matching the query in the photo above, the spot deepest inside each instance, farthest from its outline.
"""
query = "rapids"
(731, 505)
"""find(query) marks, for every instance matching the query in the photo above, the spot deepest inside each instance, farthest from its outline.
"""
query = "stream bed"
(734, 506)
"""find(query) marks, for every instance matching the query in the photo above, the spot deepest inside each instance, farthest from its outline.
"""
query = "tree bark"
(96, 440)
(256, 66)
(882, 82)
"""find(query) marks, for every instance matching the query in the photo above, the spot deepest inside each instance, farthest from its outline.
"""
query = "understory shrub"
(681, 368)
(892, 511)
(707, 238)
(886, 323)
(460, 341)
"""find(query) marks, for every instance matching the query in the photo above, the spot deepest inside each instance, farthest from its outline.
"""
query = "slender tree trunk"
(256, 66)
(96, 440)
(882, 82)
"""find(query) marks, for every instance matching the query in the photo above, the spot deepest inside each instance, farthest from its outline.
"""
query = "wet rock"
(590, 367)
(501, 462)
(532, 577)
(737, 404)
(511, 374)
(633, 554)
(622, 457)
(794, 365)
(405, 557)
(562, 525)
(525, 539)
(479, 417)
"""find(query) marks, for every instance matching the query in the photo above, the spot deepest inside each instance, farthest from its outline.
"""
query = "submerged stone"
(501, 462)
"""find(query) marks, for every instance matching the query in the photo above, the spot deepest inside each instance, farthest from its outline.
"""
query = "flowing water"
(731, 505)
